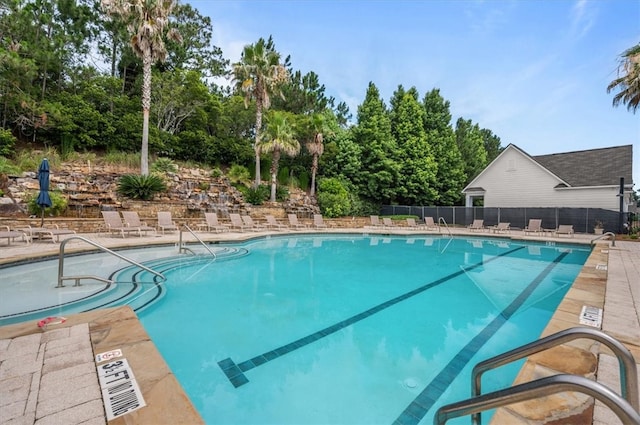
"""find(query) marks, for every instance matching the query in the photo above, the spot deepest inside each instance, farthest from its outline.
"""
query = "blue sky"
(533, 72)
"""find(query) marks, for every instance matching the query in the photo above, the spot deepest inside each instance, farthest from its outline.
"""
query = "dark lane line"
(418, 408)
(235, 371)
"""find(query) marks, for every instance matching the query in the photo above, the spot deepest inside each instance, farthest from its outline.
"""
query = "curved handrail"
(613, 238)
(628, 373)
(539, 388)
(101, 248)
(181, 248)
(441, 219)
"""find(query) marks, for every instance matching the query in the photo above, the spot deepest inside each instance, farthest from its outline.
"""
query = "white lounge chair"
(388, 223)
(272, 223)
(535, 226)
(46, 232)
(565, 229)
(165, 222)
(502, 227)
(252, 225)
(237, 223)
(476, 225)
(132, 219)
(212, 223)
(375, 221)
(113, 224)
(318, 222)
(294, 223)
(411, 224)
(430, 224)
(11, 235)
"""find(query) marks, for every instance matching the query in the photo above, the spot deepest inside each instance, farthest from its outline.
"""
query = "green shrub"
(282, 193)
(7, 167)
(58, 204)
(7, 142)
(239, 174)
(257, 196)
(216, 172)
(333, 198)
(164, 165)
(140, 187)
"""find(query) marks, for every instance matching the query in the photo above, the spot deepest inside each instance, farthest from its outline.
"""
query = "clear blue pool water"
(352, 329)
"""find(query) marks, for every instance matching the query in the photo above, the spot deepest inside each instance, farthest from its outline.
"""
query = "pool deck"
(50, 377)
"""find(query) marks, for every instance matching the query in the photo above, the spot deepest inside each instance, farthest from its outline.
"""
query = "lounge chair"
(294, 223)
(535, 226)
(132, 219)
(212, 223)
(411, 224)
(318, 222)
(11, 235)
(375, 221)
(565, 229)
(113, 224)
(502, 227)
(237, 223)
(388, 223)
(165, 222)
(429, 224)
(272, 223)
(252, 225)
(476, 225)
(42, 232)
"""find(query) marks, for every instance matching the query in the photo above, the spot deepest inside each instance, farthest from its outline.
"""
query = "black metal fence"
(582, 219)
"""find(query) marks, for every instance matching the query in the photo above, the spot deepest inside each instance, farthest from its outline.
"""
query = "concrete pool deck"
(50, 377)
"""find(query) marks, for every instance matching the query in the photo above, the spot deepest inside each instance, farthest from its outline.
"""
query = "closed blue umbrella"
(44, 200)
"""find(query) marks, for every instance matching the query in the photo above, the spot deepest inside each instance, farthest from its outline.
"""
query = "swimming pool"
(353, 329)
(350, 329)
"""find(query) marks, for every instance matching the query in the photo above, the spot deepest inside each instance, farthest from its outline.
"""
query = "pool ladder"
(183, 248)
(443, 221)
(613, 238)
(625, 405)
(62, 277)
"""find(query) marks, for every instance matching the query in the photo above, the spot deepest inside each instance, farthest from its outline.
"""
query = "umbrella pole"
(42, 219)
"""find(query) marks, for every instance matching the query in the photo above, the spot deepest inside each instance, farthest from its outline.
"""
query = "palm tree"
(629, 79)
(279, 139)
(147, 21)
(258, 75)
(316, 148)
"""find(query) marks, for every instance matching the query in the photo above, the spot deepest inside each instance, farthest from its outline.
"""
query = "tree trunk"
(146, 105)
(314, 170)
(274, 173)
(256, 146)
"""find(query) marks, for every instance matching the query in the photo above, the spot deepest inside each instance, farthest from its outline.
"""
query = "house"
(581, 179)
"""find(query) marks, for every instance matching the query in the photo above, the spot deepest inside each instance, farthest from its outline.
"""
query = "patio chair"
(388, 223)
(11, 235)
(502, 227)
(236, 222)
(375, 221)
(411, 224)
(165, 222)
(252, 225)
(565, 229)
(212, 223)
(43, 232)
(113, 224)
(430, 224)
(318, 222)
(272, 223)
(132, 219)
(476, 225)
(535, 226)
(294, 223)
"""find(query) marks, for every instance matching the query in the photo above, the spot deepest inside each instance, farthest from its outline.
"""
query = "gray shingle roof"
(594, 167)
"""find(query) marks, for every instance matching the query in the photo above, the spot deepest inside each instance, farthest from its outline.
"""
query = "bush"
(216, 172)
(239, 174)
(164, 165)
(333, 198)
(58, 204)
(6, 167)
(257, 196)
(140, 187)
(7, 142)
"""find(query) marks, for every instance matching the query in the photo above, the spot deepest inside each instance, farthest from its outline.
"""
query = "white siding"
(515, 180)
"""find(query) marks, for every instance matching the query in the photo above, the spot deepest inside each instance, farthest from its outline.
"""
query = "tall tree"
(380, 171)
(279, 139)
(315, 145)
(471, 145)
(491, 144)
(628, 81)
(148, 23)
(418, 166)
(259, 75)
(450, 177)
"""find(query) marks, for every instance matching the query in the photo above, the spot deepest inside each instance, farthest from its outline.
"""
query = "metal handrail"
(61, 276)
(441, 219)
(628, 373)
(181, 248)
(540, 388)
(613, 238)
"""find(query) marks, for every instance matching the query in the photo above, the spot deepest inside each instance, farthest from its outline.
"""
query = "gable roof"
(594, 167)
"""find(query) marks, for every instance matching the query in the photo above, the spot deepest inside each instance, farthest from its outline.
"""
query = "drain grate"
(120, 391)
